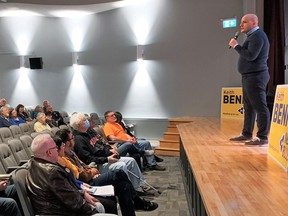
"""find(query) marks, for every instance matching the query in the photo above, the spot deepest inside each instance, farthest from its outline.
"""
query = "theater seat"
(5, 134)
(27, 141)
(18, 151)
(19, 179)
(7, 158)
(16, 131)
(25, 128)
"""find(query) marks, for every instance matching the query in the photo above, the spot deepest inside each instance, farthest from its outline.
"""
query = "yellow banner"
(278, 138)
(232, 103)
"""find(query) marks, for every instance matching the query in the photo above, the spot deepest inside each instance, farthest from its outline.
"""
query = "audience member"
(4, 117)
(106, 149)
(49, 120)
(86, 151)
(9, 202)
(56, 115)
(109, 203)
(45, 105)
(14, 118)
(37, 110)
(41, 125)
(49, 187)
(123, 188)
(3, 103)
(114, 131)
(119, 120)
(21, 112)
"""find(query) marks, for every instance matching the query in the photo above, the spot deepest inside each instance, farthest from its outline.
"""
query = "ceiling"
(57, 8)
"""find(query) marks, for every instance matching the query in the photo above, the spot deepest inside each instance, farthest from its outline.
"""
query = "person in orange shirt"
(115, 132)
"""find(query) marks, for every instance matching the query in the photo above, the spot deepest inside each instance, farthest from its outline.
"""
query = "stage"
(229, 178)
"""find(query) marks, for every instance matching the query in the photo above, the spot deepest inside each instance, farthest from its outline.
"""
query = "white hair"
(76, 119)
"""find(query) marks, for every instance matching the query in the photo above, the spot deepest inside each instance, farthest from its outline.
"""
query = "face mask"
(87, 124)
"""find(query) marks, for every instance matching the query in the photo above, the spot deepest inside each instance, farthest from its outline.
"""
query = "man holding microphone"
(252, 65)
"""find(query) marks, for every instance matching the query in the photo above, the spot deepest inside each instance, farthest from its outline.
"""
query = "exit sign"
(229, 23)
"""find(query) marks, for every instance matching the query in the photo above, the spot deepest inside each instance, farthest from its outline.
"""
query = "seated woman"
(41, 125)
(21, 112)
(37, 110)
(49, 120)
(14, 119)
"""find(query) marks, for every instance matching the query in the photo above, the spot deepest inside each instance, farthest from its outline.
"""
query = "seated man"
(88, 151)
(119, 120)
(123, 188)
(8, 198)
(106, 148)
(56, 116)
(49, 120)
(4, 117)
(3, 103)
(41, 125)
(114, 131)
(49, 187)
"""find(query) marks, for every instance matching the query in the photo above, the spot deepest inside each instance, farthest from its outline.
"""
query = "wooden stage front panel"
(231, 178)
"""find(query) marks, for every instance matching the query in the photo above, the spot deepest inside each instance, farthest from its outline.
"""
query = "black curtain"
(275, 30)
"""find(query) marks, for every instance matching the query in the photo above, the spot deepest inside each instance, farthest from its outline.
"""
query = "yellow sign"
(232, 103)
(278, 139)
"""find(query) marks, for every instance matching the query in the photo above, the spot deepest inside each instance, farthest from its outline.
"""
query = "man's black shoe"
(158, 159)
(240, 138)
(145, 205)
(257, 141)
(156, 167)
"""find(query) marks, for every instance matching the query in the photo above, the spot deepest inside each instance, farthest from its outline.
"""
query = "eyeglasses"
(71, 139)
(111, 115)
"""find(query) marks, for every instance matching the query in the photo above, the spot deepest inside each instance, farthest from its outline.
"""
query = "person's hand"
(90, 199)
(233, 43)
(86, 185)
(3, 185)
(111, 159)
(113, 151)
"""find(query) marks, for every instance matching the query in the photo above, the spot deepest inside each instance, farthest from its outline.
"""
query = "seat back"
(2, 170)
(19, 179)
(65, 117)
(31, 125)
(18, 151)
(27, 141)
(5, 134)
(34, 134)
(54, 130)
(25, 128)
(64, 127)
(16, 131)
(99, 130)
(96, 119)
(7, 158)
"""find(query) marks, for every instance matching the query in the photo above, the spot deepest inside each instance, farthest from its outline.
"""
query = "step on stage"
(228, 178)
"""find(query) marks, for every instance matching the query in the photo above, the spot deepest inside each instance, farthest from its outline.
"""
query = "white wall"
(186, 51)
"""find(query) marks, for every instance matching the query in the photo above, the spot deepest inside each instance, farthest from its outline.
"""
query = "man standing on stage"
(252, 65)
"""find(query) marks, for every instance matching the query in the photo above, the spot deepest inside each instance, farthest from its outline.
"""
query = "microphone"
(235, 37)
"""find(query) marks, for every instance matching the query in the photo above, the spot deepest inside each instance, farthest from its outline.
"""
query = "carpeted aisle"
(172, 201)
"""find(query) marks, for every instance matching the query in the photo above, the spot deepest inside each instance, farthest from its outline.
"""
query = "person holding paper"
(127, 197)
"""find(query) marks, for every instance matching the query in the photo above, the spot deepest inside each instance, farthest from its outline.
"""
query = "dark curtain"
(275, 30)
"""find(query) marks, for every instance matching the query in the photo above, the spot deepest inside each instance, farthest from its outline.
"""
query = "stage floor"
(233, 179)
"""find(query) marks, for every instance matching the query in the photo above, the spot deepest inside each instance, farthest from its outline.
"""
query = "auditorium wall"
(187, 60)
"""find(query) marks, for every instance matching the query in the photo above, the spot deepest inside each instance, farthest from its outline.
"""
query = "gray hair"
(39, 115)
(3, 108)
(76, 119)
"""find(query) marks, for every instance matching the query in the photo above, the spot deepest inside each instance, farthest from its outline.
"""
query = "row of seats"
(15, 146)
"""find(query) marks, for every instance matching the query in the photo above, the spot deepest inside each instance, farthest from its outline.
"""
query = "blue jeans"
(8, 204)
(123, 189)
(255, 104)
(143, 145)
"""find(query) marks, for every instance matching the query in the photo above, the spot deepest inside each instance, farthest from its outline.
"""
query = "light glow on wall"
(21, 33)
(77, 28)
(141, 93)
(78, 95)
(23, 91)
